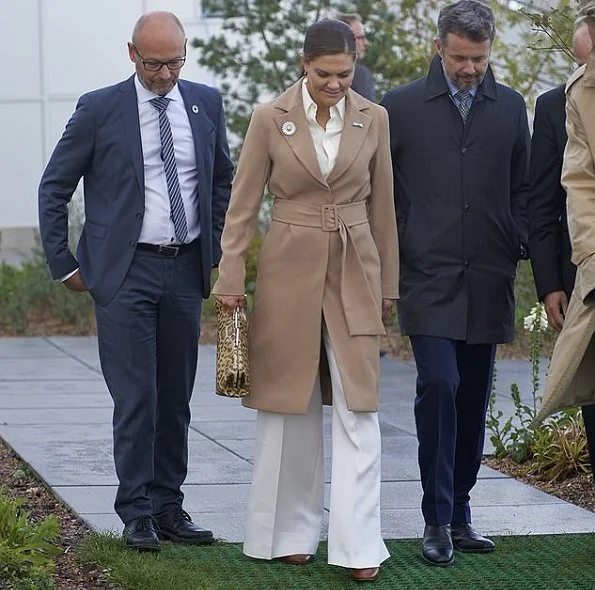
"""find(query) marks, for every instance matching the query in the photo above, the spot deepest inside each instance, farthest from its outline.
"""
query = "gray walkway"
(56, 413)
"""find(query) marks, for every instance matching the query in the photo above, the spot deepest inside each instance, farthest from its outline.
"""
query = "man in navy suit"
(549, 241)
(460, 150)
(153, 155)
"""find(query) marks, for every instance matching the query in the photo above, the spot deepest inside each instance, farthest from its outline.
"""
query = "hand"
(231, 302)
(387, 308)
(556, 304)
(75, 283)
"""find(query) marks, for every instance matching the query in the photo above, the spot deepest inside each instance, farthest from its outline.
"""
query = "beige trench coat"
(331, 250)
(571, 379)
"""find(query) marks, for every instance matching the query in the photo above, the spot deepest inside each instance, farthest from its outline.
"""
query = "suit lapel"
(201, 126)
(129, 109)
(355, 129)
(300, 142)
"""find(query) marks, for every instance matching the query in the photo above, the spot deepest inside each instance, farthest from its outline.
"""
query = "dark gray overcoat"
(460, 194)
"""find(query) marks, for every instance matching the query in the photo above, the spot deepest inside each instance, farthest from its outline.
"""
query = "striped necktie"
(463, 102)
(168, 156)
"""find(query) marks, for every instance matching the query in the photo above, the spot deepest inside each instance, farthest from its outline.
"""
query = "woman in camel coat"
(327, 273)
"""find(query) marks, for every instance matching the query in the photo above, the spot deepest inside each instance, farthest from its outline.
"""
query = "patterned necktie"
(463, 102)
(168, 156)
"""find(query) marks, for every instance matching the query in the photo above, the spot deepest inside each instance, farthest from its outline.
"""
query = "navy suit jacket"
(102, 145)
(549, 241)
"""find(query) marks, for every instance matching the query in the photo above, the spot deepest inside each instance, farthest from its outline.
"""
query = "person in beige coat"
(571, 378)
(327, 275)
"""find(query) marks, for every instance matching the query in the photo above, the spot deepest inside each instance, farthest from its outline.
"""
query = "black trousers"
(454, 381)
(148, 347)
(589, 419)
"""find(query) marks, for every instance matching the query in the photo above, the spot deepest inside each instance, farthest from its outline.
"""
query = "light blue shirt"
(453, 92)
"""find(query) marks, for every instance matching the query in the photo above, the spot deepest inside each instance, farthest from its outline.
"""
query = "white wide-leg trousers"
(285, 507)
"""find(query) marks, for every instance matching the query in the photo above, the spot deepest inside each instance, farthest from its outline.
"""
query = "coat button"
(466, 263)
(464, 151)
(467, 207)
(139, 215)
(132, 243)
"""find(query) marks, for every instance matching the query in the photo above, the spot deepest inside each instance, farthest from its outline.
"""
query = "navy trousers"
(148, 347)
(454, 381)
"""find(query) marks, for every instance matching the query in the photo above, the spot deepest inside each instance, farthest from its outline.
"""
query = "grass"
(530, 562)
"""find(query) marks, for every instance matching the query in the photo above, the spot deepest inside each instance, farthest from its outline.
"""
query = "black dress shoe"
(466, 539)
(177, 526)
(140, 534)
(437, 545)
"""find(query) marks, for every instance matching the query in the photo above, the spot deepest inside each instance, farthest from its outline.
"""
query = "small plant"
(27, 549)
(515, 438)
(556, 449)
(560, 448)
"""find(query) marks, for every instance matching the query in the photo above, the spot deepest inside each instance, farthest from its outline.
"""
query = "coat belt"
(360, 305)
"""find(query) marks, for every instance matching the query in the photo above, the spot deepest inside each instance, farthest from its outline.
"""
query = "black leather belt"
(170, 251)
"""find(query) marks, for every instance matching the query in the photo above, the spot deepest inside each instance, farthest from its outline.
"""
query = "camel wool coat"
(571, 378)
(330, 251)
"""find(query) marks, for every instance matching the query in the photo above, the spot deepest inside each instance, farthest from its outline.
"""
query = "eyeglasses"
(360, 37)
(154, 66)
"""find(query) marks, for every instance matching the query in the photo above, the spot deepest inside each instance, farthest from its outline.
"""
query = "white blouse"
(326, 141)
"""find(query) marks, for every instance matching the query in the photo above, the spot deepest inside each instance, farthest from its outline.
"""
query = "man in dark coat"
(363, 82)
(549, 242)
(460, 149)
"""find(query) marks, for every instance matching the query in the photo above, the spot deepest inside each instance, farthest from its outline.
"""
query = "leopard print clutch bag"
(232, 373)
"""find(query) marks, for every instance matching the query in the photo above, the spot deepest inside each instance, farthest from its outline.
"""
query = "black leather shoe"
(437, 545)
(466, 539)
(140, 534)
(177, 526)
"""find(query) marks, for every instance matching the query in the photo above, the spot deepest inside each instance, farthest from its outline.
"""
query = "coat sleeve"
(222, 176)
(578, 177)
(545, 206)
(519, 180)
(246, 196)
(68, 163)
(383, 224)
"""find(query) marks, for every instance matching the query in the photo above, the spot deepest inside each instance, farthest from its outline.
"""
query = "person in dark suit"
(549, 241)
(153, 154)
(363, 82)
(460, 149)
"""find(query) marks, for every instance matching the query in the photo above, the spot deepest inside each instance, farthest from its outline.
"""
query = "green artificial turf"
(556, 562)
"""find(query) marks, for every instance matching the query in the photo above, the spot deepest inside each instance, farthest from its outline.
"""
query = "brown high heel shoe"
(366, 574)
(298, 559)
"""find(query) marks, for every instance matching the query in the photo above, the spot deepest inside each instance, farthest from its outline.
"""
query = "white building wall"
(54, 51)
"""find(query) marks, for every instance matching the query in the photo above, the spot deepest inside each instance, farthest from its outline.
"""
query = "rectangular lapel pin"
(358, 124)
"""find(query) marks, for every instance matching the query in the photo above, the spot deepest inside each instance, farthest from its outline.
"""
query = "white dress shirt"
(326, 141)
(157, 226)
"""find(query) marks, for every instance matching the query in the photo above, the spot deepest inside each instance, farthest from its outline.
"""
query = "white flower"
(536, 320)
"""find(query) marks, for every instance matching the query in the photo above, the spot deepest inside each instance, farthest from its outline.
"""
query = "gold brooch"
(288, 128)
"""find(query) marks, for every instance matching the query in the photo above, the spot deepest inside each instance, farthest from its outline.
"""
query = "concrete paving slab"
(48, 400)
(27, 348)
(22, 369)
(49, 388)
(42, 416)
(75, 388)
(210, 463)
(487, 493)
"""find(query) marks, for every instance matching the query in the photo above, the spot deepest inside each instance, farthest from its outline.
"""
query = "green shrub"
(27, 549)
(560, 448)
(28, 294)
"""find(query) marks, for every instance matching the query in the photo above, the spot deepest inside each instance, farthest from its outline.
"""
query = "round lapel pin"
(194, 109)
(288, 128)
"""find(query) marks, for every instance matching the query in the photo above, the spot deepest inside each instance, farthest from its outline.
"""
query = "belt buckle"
(171, 251)
(330, 218)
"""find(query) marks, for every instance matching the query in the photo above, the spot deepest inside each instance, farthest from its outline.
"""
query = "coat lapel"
(292, 111)
(200, 124)
(355, 129)
(129, 108)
